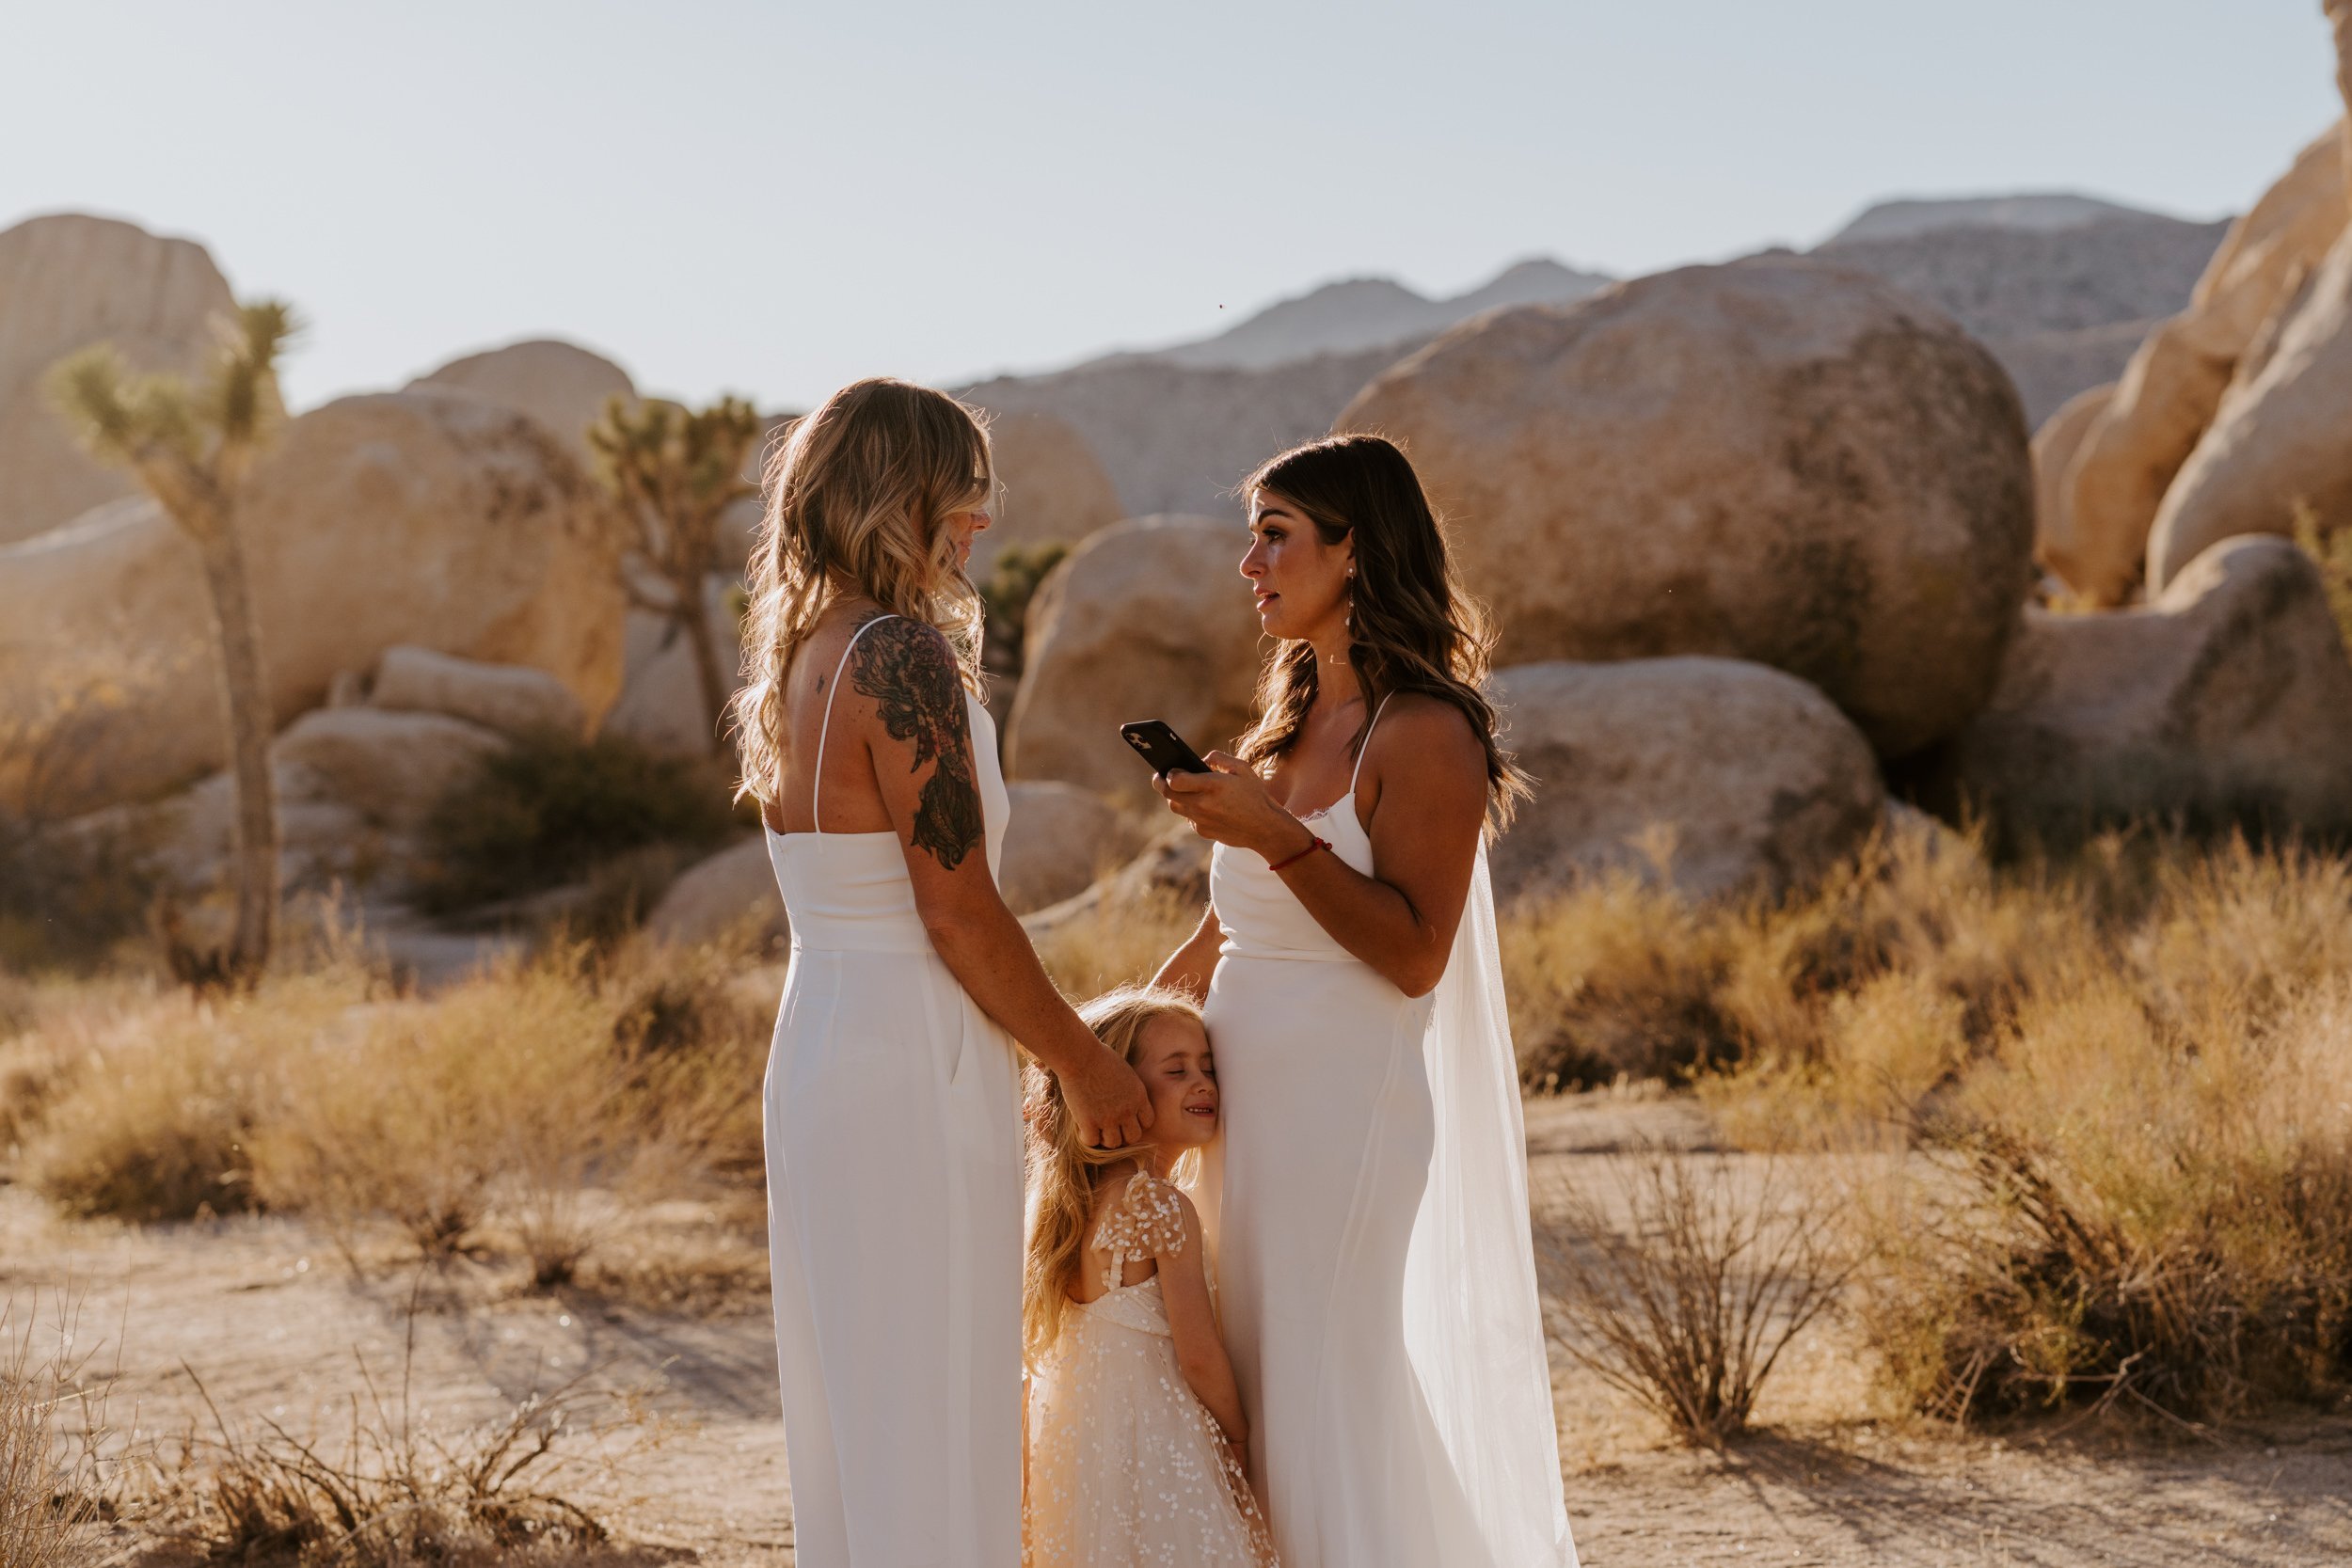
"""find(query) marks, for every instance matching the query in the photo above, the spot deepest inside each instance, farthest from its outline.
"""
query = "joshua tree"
(190, 447)
(672, 472)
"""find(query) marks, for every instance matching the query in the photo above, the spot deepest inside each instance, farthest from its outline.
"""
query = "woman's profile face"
(1300, 583)
(963, 527)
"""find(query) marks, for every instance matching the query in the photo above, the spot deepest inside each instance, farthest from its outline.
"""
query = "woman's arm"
(910, 716)
(1188, 968)
(1192, 1320)
(1428, 809)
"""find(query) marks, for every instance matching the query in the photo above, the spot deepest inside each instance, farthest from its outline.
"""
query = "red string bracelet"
(1312, 844)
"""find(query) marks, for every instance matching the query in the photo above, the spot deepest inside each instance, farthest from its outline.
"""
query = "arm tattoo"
(906, 668)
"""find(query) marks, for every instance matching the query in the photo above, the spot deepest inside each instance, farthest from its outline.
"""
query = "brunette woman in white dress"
(892, 1101)
(1374, 1249)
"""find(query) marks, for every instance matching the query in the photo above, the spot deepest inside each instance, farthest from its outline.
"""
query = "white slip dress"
(891, 1117)
(1379, 1303)
(1127, 1468)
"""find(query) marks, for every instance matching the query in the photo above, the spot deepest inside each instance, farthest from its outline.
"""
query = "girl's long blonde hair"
(1065, 1175)
(855, 494)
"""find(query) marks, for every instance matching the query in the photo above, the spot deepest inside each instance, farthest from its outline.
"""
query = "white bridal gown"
(1377, 1271)
(892, 1122)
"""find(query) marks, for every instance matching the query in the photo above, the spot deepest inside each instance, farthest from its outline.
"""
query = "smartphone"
(1161, 747)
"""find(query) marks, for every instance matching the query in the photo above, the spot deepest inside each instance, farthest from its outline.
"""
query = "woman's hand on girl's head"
(1231, 806)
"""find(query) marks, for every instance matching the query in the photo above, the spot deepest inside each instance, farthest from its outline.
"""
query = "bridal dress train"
(1372, 1239)
(892, 1126)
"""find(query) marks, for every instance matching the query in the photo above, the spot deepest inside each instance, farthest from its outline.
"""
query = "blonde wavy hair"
(854, 496)
(1065, 1173)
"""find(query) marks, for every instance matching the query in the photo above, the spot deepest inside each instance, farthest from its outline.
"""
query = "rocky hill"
(2061, 287)
(2062, 304)
(1178, 426)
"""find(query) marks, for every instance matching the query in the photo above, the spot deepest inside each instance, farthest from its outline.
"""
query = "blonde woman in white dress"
(892, 1100)
(1377, 1276)
(1138, 1446)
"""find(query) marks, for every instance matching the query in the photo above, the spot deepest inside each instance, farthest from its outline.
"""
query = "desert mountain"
(1371, 312)
(1907, 217)
(2061, 287)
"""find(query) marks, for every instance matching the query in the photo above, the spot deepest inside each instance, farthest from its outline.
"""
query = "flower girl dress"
(1125, 1465)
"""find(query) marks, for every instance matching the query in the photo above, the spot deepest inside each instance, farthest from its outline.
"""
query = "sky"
(773, 199)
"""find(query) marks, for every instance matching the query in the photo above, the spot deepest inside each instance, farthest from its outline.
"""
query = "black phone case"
(1161, 747)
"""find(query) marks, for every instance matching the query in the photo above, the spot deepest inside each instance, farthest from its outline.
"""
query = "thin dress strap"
(1367, 745)
(817, 774)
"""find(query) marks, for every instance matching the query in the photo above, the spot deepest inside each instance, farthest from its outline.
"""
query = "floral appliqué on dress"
(1125, 1464)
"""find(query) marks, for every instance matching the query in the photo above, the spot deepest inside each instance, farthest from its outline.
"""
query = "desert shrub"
(552, 808)
(397, 1488)
(1012, 583)
(1686, 1302)
(70, 899)
(2128, 1207)
(1615, 977)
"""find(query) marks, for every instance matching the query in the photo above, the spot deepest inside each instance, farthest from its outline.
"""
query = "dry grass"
(546, 1095)
(1120, 942)
(52, 1481)
(1680, 1288)
(396, 1488)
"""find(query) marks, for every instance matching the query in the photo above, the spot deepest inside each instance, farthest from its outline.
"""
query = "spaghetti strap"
(1367, 745)
(824, 729)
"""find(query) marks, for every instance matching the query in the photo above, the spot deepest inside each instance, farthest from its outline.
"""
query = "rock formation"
(2055, 544)
(426, 519)
(1053, 489)
(2227, 701)
(1148, 619)
(1739, 779)
(510, 698)
(2278, 441)
(68, 280)
(1773, 461)
(2174, 384)
(1060, 840)
(561, 384)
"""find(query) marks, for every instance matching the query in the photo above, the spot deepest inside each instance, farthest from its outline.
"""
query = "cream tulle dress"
(1126, 1466)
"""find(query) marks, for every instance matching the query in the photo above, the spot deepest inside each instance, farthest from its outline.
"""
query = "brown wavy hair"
(1411, 625)
(855, 493)
(1065, 1173)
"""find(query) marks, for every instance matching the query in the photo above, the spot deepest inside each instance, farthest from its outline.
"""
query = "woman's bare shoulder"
(1423, 734)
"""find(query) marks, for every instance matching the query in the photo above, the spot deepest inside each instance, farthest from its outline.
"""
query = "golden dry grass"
(2122, 1079)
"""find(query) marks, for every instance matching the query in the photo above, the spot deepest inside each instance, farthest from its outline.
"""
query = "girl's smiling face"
(1173, 1060)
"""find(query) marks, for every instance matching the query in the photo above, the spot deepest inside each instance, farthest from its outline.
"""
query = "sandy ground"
(276, 1324)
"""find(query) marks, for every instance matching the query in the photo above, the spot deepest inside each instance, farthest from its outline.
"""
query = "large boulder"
(390, 768)
(1054, 489)
(1172, 870)
(1148, 619)
(2058, 542)
(1061, 838)
(1774, 461)
(2279, 443)
(1717, 776)
(2170, 393)
(510, 698)
(561, 384)
(427, 518)
(732, 890)
(68, 280)
(2226, 702)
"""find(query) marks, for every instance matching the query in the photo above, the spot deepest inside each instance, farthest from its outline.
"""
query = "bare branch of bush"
(1686, 1302)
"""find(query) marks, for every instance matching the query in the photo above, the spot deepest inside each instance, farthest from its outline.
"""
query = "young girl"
(1137, 1449)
